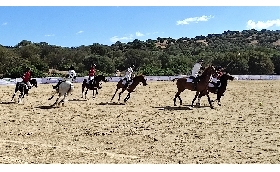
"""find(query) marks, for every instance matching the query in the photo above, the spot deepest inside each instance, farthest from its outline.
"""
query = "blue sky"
(84, 24)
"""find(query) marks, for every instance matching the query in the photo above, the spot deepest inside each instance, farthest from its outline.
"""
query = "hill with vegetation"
(259, 55)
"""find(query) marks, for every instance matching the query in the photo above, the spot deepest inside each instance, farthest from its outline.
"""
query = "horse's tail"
(174, 79)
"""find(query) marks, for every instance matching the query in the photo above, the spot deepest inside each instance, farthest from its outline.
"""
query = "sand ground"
(147, 129)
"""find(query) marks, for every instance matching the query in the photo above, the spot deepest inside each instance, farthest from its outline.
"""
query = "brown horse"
(130, 88)
(221, 89)
(202, 85)
(93, 86)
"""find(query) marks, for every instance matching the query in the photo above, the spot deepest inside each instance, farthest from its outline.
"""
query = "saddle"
(192, 77)
(24, 85)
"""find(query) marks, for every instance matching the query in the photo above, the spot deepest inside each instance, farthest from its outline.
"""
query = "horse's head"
(100, 78)
(226, 76)
(34, 83)
(141, 78)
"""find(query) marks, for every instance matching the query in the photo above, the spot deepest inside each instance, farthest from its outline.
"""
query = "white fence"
(49, 80)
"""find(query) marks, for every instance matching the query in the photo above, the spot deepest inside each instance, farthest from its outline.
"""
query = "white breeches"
(90, 78)
(128, 77)
(214, 80)
(28, 84)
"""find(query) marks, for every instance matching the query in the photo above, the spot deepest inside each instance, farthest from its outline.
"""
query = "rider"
(27, 77)
(72, 73)
(128, 75)
(196, 71)
(91, 73)
(216, 77)
(70, 76)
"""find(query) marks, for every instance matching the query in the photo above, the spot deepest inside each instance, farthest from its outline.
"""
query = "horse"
(130, 87)
(93, 85)
(22, 87)
(221, 89)
(64, 89)
(202, 85)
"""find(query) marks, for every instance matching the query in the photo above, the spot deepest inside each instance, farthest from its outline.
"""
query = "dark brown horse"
(221, 89)
(202, 85)
(130, 88)
(94, 85)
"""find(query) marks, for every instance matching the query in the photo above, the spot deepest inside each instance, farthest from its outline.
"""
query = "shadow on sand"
(182, 107)
(47, 107)
(110, 103)
(77, 100)
(6, 103)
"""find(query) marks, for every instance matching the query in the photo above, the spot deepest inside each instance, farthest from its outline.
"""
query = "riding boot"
(195, 83)
(216, 88)
(126, 84)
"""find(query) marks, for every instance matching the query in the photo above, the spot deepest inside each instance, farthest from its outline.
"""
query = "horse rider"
(216, 77)
(27, 77)
(196, 72)
(91, 73)
(71, 76)
(128, 75)
(72, 73)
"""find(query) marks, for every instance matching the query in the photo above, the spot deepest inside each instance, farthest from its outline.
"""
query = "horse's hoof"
(219, 104)
(212, 107)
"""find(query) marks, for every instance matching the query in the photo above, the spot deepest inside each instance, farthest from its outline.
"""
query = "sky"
(84, 23)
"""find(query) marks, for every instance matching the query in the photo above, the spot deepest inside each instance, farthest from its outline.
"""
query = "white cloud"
(125, 38)
(194, 19)
(50, 35)
(262, 25)
(139, 34)
(81, 31)
(4, 23)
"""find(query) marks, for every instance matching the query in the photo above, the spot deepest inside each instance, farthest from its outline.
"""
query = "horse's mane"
(206, 68)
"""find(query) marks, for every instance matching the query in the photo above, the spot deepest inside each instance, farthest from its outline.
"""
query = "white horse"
(64, 89)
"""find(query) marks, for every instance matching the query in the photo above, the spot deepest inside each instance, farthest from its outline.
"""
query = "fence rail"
(49, 80)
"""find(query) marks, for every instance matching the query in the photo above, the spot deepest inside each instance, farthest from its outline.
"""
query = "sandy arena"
(147, 130)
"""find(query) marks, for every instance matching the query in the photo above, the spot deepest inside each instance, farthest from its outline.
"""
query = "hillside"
(259, 54)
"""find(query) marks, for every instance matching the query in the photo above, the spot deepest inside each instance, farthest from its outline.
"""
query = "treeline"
(259, 55)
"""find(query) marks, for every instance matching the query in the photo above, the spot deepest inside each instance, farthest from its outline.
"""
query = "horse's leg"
(121, 93)
(93, 93)
(13, 96)
(63, 99)
(177, 95)
(16, 90)
(86, 93)
(19, 97)
(83, 89)
(114, 94)
(127, 97)
(55, 103)
(209, 100)
(198, 100)
(196, 95)
(219, 99)
(51, 96)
